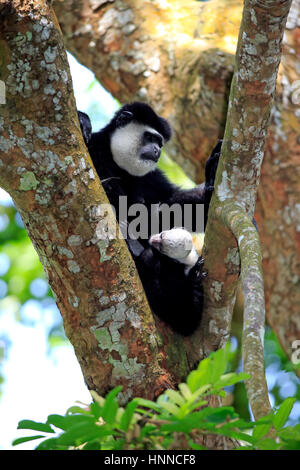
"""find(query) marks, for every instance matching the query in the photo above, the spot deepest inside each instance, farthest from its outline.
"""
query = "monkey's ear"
(124, 118)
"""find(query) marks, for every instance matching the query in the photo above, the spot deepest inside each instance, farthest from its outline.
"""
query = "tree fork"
(45, 167)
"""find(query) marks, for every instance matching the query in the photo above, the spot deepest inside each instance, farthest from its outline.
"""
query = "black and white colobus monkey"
(125, 154)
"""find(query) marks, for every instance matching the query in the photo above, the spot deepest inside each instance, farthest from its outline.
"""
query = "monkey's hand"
(211, 167)
(85, 126)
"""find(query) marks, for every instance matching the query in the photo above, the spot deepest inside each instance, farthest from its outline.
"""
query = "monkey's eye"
(150, 137)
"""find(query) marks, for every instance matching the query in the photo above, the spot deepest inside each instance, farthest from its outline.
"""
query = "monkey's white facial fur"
(177, 244)
(127, 144)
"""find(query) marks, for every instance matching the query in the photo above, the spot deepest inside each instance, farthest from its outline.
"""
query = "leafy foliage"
(177, 420)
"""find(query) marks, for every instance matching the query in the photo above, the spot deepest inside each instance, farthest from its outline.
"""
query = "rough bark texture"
(278, 209)
(179, 56)
(45, 167)
(136, 54)
(251, 97)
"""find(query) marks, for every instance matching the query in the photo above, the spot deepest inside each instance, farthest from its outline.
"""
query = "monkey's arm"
(203, 192)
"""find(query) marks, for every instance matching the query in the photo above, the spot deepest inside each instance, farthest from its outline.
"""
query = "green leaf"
(219, 415)
(289, 433)
(66, 422)
(148, 404)
(261, 430)
(238, 423)
(200, 391)
(290, 445)
(109, 412)
(197, 404)
(218, 365)
(28, 424)
(128, 415)
(92, 445)
(96, 410)
(199, 378)
(58, 421)
(185, 390)
(20, 440)
(175, 397)
(111, 405)
(203, 419)
(50, 444)
(230, 379)
(268, 444)
(209, 370)
(281, 415)
(77, 410)
(83, 432)
(182, 425)
(171, 408)
(147, 430)
(116, 444)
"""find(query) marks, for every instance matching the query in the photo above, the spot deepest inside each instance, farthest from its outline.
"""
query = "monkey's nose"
(155, 241)
(156, 151)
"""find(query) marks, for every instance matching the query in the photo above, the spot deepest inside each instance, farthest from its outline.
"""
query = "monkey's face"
(136, 148)
(176, 243)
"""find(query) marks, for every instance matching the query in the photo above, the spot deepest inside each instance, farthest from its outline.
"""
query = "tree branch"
(251, 96)
(247, 237)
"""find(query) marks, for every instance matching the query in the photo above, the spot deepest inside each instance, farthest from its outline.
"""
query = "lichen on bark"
(251, 97)
(49, 174)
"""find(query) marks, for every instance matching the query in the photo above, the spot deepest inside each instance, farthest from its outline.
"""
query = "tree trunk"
(45, 167)
(179, 56)
(278, 208)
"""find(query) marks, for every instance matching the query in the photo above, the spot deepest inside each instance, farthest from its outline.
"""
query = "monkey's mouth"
(152, 156)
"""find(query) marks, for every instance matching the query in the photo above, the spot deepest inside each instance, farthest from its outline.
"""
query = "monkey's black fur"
(175, 297)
